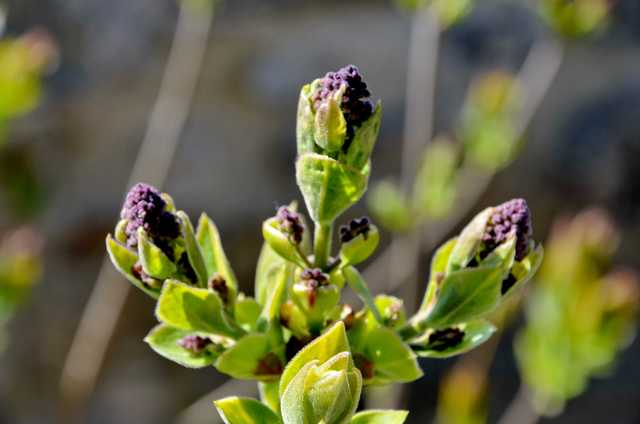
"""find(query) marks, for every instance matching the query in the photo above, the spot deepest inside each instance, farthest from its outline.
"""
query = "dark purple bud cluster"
(441, 340)
(314, 277)
(508, 218)
(354, 228)
(290, 223)
(195, 344)
(144, 207)
(356, 105)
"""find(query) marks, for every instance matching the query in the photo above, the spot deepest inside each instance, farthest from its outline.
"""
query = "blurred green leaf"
(390, 207)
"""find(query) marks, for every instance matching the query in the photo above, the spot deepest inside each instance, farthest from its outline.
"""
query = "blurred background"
(65, 166)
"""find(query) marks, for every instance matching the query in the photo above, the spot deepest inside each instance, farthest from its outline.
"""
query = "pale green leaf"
(164, 339)
(236, 410)
(193, 309)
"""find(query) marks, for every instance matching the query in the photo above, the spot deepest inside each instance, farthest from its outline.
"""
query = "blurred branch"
(520, 410)
(166, 123)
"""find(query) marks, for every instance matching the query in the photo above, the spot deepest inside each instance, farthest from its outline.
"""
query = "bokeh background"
(235, 161)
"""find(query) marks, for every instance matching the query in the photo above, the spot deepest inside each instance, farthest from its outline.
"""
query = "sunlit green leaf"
(236, 410)
(164, 340)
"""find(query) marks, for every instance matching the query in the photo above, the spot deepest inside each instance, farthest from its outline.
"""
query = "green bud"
(330, 125)
(357, 249)
(281, 242)
(316, 297)
(323, 393)
(577, 18)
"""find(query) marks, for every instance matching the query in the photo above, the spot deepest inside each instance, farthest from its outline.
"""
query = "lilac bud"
(356, 105)
(354, 228)
(290, 223)
(314, 277)
(144, 207)
(195, 344)
(510, 217)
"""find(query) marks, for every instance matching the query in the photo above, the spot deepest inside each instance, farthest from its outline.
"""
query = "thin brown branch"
(167, 121)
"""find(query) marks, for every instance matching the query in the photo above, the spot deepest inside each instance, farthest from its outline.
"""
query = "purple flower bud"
(354, 228)
(356, 105)
(290, 223)
(314, 275)
(510, 217)
(195, 344)
(144, 207)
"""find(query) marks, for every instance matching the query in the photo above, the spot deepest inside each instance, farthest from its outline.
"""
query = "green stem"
(322, 244)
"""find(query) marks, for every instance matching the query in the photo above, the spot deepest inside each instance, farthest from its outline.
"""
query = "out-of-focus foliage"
(488, 122)
(24, 61)
(576, 18)
(580, 315)
(462, 398)
(20, 268)
(486, 140)
(436, 183)
(449, 12)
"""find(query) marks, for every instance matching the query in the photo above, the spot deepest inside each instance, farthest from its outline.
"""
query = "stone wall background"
(236, 156)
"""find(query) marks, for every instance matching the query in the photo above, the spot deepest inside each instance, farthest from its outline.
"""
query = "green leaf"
(192, 309)
(275, 298)
(438, 268)
(360, 248)
(360, 287)
(215, 260)
(153, 260)
(236, 410)
(468, 242)
(392, 359)
(475, 334)
(330, 125)
(292, 401)
(246, 312)
(265, 272)
(525, 269)
(193, 249)
(469, 293)
(329, 187)
(332, 342)
(378, 416)
(364, 140)
(124, 260)
(269, 394)
(164, 339)
(247, 359)
(280, 242)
